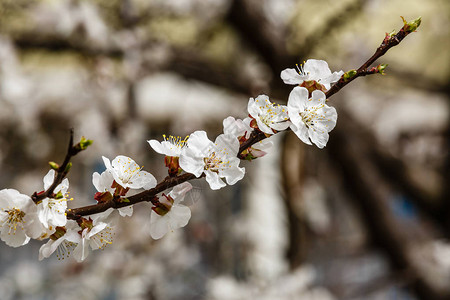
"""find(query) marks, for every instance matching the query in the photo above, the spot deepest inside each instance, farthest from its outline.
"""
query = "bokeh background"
(368, 217)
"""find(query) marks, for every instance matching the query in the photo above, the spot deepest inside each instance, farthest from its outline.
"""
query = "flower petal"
(159, 225)
(214, 180)
(142, 179)
(233, 175)
(180, 216)
(157, 146)
(318, 137)
(291, 76)
(316, 69)
(191, 163)
(48, 179)
(301, 131)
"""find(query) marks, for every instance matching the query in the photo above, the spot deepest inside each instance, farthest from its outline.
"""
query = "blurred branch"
(247, 16)
(33, 41)
(293, 175)
(335, 21)
(369, 193)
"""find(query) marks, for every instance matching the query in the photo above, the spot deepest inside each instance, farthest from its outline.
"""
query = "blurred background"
(368, 217)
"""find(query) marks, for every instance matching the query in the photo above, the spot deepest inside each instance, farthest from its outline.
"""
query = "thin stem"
(387, 44)
(61, 173)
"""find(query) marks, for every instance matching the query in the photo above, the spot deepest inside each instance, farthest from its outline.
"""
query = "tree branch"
(388, 42)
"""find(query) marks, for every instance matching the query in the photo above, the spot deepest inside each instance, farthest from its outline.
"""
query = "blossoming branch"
(45, 216)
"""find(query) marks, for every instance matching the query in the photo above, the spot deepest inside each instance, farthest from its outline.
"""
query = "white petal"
(123, 164)
(103, 182)
(143, 180)
(214, 181)
(297, 100)
(291, 76)
(263, 145)
(82, 250)
(331, 79)
(126, 211)
(107, 163)
(63, 186)
(13, 238)
(179, 216)
(179, 191)
(157, 146)
(48, 179)
(191, 163)
(317, 69)
(318, 137)
(228, 144)
(48, 248)
(96, 181)
(253, 109)
(263, 127)
(233, 175)
(318, 98)
(199, 142)
(302, 132)
(159, 225)
(281, 125)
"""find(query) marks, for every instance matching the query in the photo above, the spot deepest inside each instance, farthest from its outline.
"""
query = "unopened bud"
(84, 143)
(412, 25)
(349, 75)
(381, 68)
(53, 165)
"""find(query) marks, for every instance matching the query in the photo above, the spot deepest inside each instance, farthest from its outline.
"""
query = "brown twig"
(388, 42)
(145, 196)
(62, 170)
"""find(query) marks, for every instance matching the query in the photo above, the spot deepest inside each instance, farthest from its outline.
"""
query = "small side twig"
(389, 41)
(63, 169)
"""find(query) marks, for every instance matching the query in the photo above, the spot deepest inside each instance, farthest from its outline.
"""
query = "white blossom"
(127, 173)
(268, 116)
(63, 245)
(15, 209)
(217, 160)
(312, 70)
(98, 234)
(311, 118)
(175, 213)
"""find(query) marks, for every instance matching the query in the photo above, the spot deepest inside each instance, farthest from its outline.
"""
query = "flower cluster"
(44, 215)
